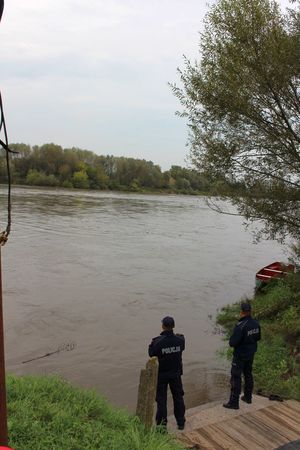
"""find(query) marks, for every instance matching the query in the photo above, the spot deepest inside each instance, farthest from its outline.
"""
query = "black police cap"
(168, 322)
(245, 307)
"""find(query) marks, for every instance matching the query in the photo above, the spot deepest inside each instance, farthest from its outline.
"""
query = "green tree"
(3, 167)
(80, 180)
(21, 161)
(50, 157)
(242, 102)
(65, 172)
(97, 177)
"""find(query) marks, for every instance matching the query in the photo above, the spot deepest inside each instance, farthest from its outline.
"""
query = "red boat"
(274, 270)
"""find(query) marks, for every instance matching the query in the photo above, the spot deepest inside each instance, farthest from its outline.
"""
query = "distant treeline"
(52, 165)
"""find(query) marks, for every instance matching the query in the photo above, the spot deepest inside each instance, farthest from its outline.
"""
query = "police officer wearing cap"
(168, 348)
(244, 340)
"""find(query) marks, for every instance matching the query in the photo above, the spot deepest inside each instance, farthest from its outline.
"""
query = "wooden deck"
(275, 425)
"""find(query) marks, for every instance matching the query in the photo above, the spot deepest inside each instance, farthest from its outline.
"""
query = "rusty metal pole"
(3, 408)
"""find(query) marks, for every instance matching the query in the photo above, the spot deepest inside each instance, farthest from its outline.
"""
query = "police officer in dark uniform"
(244, 340)
(168, 348)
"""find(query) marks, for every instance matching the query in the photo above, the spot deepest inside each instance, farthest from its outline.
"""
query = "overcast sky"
(93, 74)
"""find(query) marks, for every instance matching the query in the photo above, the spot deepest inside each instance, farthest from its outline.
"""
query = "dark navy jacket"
(168, 348)
(244, 338)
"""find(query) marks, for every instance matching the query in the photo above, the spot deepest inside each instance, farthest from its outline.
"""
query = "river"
(93, 273)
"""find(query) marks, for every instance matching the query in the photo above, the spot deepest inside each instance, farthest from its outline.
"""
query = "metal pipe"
(3, 407)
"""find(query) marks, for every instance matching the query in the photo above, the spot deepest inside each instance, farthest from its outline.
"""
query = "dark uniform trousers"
(161, 399)
(241, 367)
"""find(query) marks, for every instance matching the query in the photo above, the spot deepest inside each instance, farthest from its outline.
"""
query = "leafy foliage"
(294, 257)
(242, 102)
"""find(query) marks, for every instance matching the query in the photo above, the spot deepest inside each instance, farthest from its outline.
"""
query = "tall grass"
(47, 413)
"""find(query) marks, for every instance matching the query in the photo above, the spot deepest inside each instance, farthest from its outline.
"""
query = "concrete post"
(147, 392)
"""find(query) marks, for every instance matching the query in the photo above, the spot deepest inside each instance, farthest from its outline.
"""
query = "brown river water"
(93, 273)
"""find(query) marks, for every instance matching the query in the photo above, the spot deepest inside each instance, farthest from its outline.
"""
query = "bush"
(36, 178)
(67, 184)
(80, 180)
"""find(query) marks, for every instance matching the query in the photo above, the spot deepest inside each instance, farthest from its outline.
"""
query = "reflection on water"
(100, 270)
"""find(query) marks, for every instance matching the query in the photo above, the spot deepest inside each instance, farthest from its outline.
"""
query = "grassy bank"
(277, 362)
(47, 413)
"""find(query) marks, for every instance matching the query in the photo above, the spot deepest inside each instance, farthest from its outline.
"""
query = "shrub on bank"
(277, 363)
(36, 178)
(47, 413)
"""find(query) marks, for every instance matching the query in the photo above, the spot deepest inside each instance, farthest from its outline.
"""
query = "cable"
(4, 235)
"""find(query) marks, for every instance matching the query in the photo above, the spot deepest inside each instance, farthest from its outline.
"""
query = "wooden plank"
(224, 439)
(273, 420)
(185, 440)
(280, 428)
(287, 409)
(285, 417)
(193, 438)
(286, 414)
(210, 435)
(293, 404)
(253, 434)
(263, 430)
(241, 434)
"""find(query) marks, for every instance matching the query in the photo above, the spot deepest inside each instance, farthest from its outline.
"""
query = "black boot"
(246, 399)
(181, 423)
(230, 405)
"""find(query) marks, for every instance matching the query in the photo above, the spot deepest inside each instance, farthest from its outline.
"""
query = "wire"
(4, 235)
